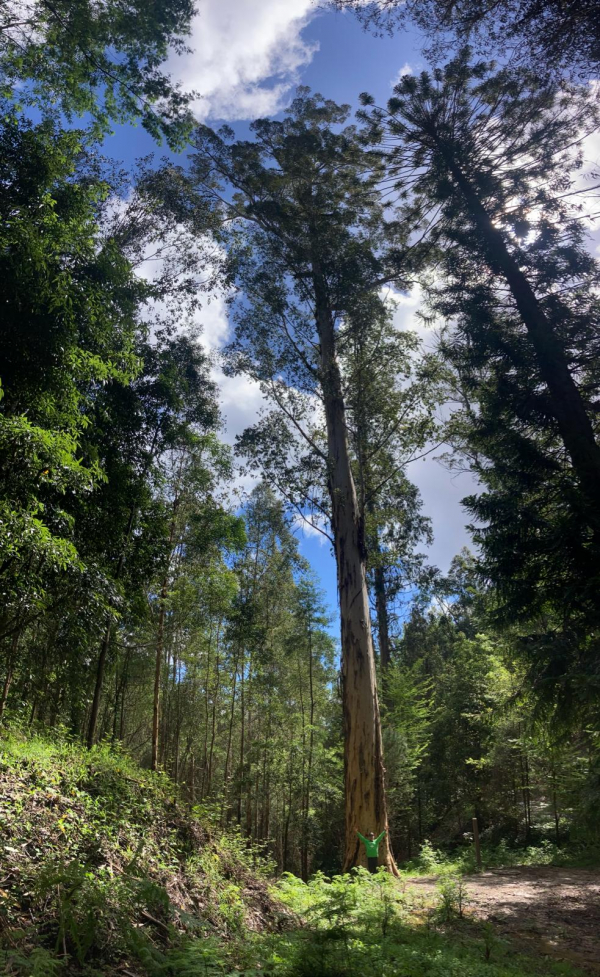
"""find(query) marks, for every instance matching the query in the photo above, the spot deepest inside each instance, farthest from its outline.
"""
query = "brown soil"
(554, 911)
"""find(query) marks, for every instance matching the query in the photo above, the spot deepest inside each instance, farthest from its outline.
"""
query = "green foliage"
(107, 863)
(360, 924)
(72, 300)
(452, 899)
(553, 37)
(110, 870)
(482, 745)
(98, 59)
(462, 132)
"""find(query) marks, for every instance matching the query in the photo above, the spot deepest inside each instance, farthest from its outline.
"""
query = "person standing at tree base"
(371, 844)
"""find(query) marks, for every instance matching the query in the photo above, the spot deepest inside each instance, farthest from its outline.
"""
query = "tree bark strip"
(365, 804)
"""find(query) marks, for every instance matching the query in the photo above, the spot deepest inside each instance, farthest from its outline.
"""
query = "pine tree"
(551, 35)
(492, 154)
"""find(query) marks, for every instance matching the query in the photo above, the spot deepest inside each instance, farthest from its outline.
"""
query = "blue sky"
(249, 55)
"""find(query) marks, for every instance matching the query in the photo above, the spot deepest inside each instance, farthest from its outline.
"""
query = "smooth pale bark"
(160, 635)
(365, 805)
(213, 731)
(242, 739)
(567, 403)
(309, 762)
(226, 773)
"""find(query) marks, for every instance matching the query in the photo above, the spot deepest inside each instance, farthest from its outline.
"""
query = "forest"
(193, 737)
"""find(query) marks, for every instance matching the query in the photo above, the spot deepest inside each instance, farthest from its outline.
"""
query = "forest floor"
(550, 910)
(105, 871)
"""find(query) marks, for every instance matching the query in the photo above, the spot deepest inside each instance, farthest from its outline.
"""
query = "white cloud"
(312, 526)
(212, 319)
(240, 397)
(406, 69)
(247, 55)
(406, 306)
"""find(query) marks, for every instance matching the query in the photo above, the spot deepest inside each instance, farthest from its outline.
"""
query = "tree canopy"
(103, 59)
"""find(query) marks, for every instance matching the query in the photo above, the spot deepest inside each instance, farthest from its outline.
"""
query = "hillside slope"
(102, 870)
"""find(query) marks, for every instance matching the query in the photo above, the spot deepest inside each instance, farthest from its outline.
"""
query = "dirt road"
(554, 911)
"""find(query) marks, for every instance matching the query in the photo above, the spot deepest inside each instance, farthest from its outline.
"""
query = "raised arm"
(361, 837)
(377, 840)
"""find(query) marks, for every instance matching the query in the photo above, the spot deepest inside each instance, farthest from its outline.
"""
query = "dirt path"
(555, 911)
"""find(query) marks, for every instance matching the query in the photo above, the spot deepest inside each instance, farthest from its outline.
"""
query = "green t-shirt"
(372, 847)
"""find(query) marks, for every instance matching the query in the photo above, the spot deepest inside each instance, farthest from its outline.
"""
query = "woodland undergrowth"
(105, 871)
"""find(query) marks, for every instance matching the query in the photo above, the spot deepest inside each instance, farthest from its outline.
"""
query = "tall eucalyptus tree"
(309, 244)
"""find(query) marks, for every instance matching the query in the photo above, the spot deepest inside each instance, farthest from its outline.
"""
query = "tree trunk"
(567, 403)
(226, 774)
(160, 647)
(213, 731)
(91, 736)
(242, 739)
(365, 805)
(12, 655)
(160, 636)
(206, 712)
(383, 633)
(305, 816)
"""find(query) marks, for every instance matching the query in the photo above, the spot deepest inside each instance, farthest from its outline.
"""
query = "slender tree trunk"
(226, 773)
(568, 407)
(383, 626)
(365, 803)
(177, 732)
(255, 835)
(91, 737)
(160, 649)
(267, 806)
(383, 632)
(309, 761)
(303, 800)
(122, 691)
(556, 817)
(100, 666)
(160, 635)
(213, 731)
(242, 738)
(249, 737)
(527, 793)
(206, 712)
(10, 664)
(40, 689)
(286, 828)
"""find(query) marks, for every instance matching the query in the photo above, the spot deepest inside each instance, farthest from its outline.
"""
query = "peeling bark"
(365, 805)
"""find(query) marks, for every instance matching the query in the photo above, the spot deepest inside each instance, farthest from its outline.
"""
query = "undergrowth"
(360, 924)
(101, 865)
(103, 871)
(461, 861)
